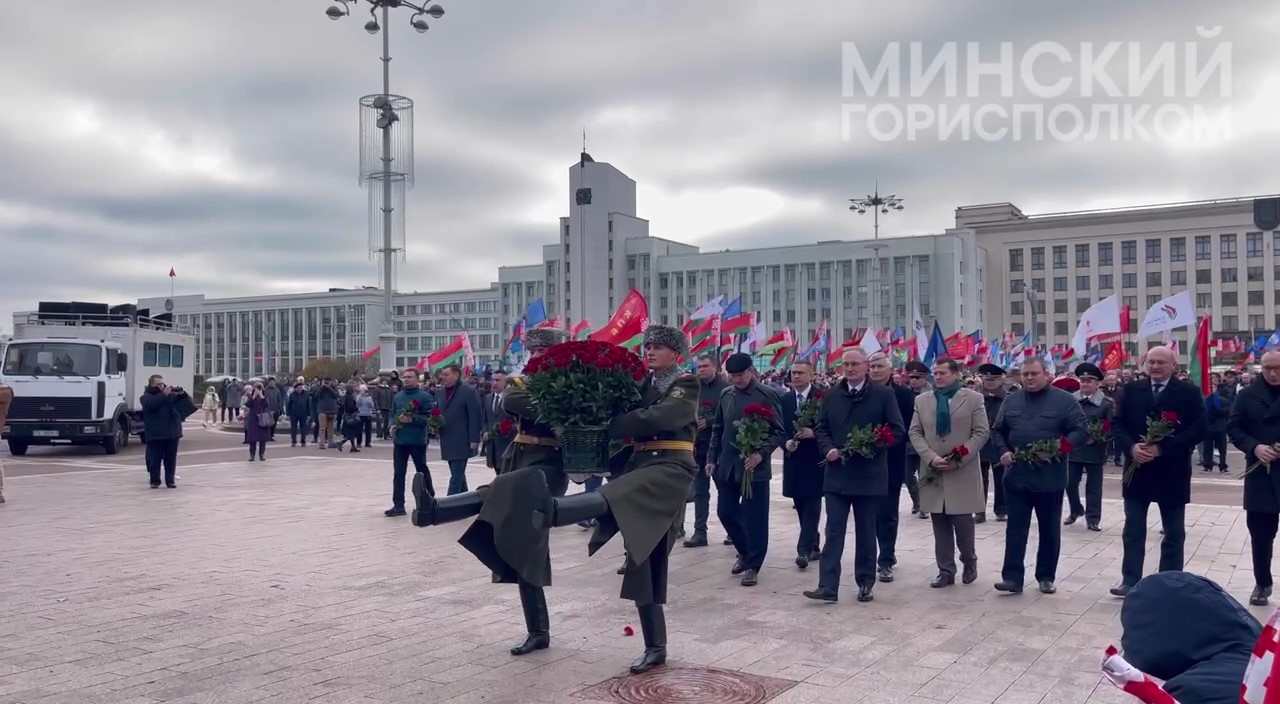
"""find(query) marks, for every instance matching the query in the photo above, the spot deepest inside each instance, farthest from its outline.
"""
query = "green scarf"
(944, 395)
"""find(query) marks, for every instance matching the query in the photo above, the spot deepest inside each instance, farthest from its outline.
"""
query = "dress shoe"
(750, 578)
(728, 541)
(1001, 518)
(969, 575)
(1259, 596)
(822, 594)
(1071, 519)
(155, 485)
(922, 514)
(1121, 590)
(815, 556)
(1046, 587)
(697, 540)
(943, 580)
(680, 534)
(980, 517)
(394, 511)
(171, 485)
(1009, 587)
(864, 593)
(738, 567)
(802, 560)
(1094, 527)
(622, 569)
(886, 574)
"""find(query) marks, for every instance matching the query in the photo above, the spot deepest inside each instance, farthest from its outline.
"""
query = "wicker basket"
(584, 449)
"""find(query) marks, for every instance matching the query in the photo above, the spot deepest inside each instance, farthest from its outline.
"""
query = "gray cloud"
(225, 137)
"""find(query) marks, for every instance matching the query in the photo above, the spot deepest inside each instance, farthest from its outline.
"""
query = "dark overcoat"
(1167, 478)
(462, 421)
(1255, 421)
(844, 409)
(802, 472)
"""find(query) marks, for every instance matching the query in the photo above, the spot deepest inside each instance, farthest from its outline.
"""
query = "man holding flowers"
(1030, 429)
(1254, 427)
(747, 413)
(802, 464)
(1087, 459)
(1159, 468)
(711, 383)
(948, 430)
(857, 474)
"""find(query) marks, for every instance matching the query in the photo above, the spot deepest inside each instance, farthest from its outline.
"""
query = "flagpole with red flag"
(172, 275)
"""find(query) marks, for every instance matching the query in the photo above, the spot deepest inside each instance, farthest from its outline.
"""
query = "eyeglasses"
(1270, 369)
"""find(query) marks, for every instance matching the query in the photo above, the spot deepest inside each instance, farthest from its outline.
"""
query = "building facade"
(1049, 268)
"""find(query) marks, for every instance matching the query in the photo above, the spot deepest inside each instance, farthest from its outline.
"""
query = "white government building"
(970, 277)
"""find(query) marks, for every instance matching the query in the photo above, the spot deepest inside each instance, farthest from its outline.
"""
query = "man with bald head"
(1163, 476)
(1254, 427)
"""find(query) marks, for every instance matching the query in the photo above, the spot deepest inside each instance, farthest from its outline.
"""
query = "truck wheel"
(118, 438)
(17, 448)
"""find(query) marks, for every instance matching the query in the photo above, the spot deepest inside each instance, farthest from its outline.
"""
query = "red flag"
(1124, 320)
(626, 327)
(369, 353)
(1113, 357)
(172, 273)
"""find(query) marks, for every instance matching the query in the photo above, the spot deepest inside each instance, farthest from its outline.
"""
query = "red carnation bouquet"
(576, 388)
(808, 415)
(752, 429)
(435, 421)
(1158, 428)
(706, 410)
(405, 418)
(1099, 430)
(929, 475)
(1042, 452)
(504, 428)
(866, 440)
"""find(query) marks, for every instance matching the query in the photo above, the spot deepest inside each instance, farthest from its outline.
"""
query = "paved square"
(282, 582)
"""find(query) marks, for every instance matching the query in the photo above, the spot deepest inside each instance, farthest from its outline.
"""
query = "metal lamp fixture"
(386, 155)
(877, 204)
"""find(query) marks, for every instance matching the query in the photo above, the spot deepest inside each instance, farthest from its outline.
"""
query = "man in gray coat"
(463, 423)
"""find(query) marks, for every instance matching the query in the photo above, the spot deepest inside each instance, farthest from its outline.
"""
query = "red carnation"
(1064, 446)
(415, 404)
(435, 412)
(1106, 426)
(1169, 416)
(708, 404)
(819, 395)
(757, 410)
(961, 451)
(506, 427)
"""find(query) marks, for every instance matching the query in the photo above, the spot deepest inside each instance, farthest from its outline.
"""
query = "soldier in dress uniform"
(1087, 459)
(645, 500)
(530, 473)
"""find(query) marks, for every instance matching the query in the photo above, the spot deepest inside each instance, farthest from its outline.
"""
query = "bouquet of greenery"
(1099, 430)
(1158, 428)
(866, 440)
(1042, 452)
(578, 387)
(808, 415)
(752, 429)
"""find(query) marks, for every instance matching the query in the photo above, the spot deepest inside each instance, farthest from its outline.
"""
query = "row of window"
(1228, 275)
(156, 354)
(447, 324)
(1153, 251)
(447, 308)
(821, 271)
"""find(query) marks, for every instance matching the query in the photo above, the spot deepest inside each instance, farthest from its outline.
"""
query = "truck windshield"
(53, 359)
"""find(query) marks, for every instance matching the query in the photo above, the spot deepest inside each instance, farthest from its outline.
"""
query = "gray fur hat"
(668, 337)
(542, 338)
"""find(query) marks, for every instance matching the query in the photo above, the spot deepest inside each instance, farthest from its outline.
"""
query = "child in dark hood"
(1184, 629)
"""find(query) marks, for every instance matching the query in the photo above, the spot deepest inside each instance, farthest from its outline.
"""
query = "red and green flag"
(370, 353)
(738, 324)
(580, 330)
(1199, 367)
(453, 353)
(626, 327)
(704, 335)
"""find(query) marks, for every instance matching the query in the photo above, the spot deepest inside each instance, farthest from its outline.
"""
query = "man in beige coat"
(947, 418)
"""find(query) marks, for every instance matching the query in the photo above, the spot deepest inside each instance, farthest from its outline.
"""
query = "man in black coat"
(802, 464)
(993, 393)
(881, 373)
(460, 435)
(1217, 408)
(745, 518)
(1163, 476)
(164, 408)
(853, 483)
(492, 416)
(711, 383)
(1254, 427)
(1037, 412)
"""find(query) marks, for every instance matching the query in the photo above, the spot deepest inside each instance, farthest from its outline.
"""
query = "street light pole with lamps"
(393, 168)
(877, 204)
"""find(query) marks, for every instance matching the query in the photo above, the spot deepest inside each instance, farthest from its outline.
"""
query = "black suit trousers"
(1173, 517)
(1047, 507)
(887, 519)
(162, 453)
(865, 509)
(746, 520)
(1262, 536)
(809, 512)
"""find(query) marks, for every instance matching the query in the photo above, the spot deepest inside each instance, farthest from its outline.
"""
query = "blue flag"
(937, 346)
(734, 308)
(537, 313)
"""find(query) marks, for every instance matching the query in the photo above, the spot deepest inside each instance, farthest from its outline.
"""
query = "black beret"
(737, 363)
(1086, 370)
(991, 370)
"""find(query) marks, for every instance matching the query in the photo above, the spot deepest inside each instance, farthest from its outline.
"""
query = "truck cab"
(77, 379)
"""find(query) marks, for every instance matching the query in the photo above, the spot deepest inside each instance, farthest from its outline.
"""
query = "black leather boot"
(568, 510)
(653, 624)
(534, 602)
(433, 512)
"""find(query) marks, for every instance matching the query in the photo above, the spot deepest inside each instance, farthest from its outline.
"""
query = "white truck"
(77, 377)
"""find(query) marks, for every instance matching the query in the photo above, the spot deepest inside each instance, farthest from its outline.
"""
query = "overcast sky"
(220, 138)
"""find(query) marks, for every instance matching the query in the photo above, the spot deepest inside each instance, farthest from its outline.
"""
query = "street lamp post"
(391, 167)
(877, 204)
